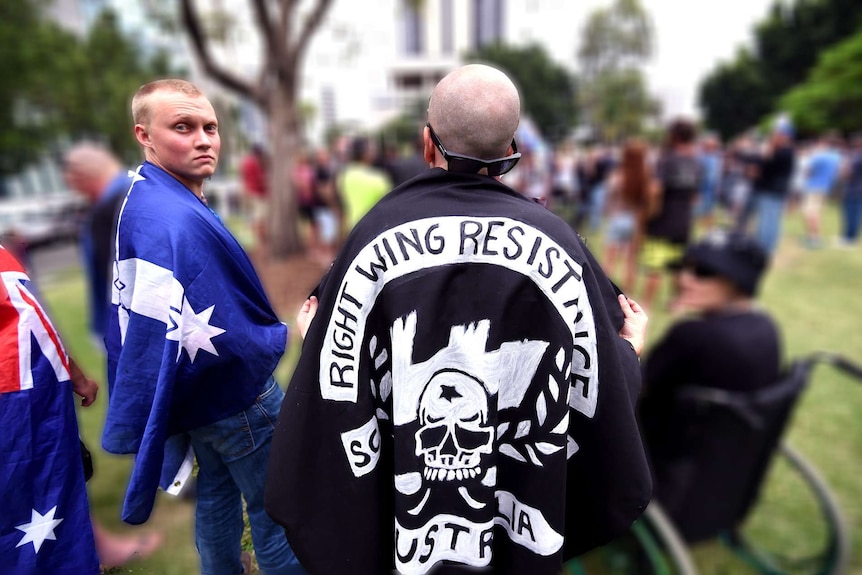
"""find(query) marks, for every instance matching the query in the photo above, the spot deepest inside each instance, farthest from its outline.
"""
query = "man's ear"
(142, 135)
(429, 149)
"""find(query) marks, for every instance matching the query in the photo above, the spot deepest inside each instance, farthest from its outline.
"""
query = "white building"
(374, 61)
(369, 58)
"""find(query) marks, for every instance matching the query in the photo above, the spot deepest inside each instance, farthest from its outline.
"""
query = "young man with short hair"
(192, 341)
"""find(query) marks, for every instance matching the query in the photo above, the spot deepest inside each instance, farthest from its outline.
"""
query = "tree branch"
(192, 24)
(264, 24)
(310, 25)
(287, 8)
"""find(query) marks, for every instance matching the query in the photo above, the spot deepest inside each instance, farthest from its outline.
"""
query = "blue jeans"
(597, 206)
(852, 217)
(770, 210)
(232, 457)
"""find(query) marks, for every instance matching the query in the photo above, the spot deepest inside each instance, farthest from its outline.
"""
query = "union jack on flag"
(44, 517)
(18, 300)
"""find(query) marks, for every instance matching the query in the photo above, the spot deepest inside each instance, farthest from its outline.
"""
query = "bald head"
(475, 111)
(89, 167)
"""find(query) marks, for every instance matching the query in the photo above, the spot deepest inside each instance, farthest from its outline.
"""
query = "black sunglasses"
(469, 165)
(700, 270)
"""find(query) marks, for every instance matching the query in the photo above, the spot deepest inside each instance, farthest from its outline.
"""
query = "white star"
(193, 330)
(40, 528)
(136, 176)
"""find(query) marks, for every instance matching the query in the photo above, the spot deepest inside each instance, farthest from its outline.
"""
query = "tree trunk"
(284, 131)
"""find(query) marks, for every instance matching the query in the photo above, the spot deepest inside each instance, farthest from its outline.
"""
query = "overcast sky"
(692, 36)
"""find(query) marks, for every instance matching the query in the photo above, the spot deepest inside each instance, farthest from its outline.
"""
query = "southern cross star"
(40, 528)
(192, 330)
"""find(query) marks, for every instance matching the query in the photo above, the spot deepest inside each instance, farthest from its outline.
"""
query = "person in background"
(821, 177)
(593, 170)
(630, 188)
(361, 184)
(736, 182)
(564, 188)
(304, 180)
(772, 169)
(253, 170)
(852, 201)
(721, 340)
(406, 166)
(711, 170)
(668, 229)
(530, 179)
(450, 377)
(93, 171)
(192, 342)
(330, 214)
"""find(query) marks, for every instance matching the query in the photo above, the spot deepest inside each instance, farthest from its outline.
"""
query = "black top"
(708, 462)
(854, 179)
(774, 172)
(733, 350)
(406, 167)
(103, 230)
(680, 177)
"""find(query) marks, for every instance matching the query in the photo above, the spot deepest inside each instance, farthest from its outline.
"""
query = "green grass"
(814, 295)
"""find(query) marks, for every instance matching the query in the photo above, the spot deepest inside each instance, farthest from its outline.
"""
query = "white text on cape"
(432, 242)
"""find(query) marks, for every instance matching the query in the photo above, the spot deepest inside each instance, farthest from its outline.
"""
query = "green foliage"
(733, 97)
(58, 86)
(620, 102)
(547, 89)
(616, 42)
(787, 43)
(831, 98)
(620, 36)
(24, 123)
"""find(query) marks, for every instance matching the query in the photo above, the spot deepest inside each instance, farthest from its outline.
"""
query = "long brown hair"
(634, 174)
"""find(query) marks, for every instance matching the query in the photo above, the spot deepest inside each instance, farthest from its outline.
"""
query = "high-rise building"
(433, 39)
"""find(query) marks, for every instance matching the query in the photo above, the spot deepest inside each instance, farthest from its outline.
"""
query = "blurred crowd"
(648, 201)
(645, 199)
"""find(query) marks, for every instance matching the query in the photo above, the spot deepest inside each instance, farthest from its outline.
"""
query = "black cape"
(462, 398)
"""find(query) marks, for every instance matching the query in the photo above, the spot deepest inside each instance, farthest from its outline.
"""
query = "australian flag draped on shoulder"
(463, 402)
(192, 338)
(44, 518)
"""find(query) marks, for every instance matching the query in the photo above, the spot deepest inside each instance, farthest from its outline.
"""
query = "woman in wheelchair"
(728, 347)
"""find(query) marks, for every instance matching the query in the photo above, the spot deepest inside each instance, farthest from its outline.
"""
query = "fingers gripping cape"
(463, 398)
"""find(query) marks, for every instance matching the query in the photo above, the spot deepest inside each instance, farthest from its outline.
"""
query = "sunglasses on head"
(470, 165)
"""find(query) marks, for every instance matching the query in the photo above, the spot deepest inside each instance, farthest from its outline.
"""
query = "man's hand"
(82, 385)
(635, 324)
(306, 314)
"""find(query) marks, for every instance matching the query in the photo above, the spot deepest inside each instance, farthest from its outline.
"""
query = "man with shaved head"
(465, 397)
(94, 172)
(475, 110)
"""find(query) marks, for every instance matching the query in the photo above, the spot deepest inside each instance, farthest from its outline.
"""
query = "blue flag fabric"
(192, 337)
(44, 518)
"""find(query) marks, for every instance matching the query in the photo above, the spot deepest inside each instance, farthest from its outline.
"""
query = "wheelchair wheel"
(827, 554)
(651, 547)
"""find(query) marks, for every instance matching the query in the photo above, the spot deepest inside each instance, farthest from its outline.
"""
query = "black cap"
(733, 256)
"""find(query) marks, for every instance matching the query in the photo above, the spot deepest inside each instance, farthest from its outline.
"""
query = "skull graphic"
(453, 412)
